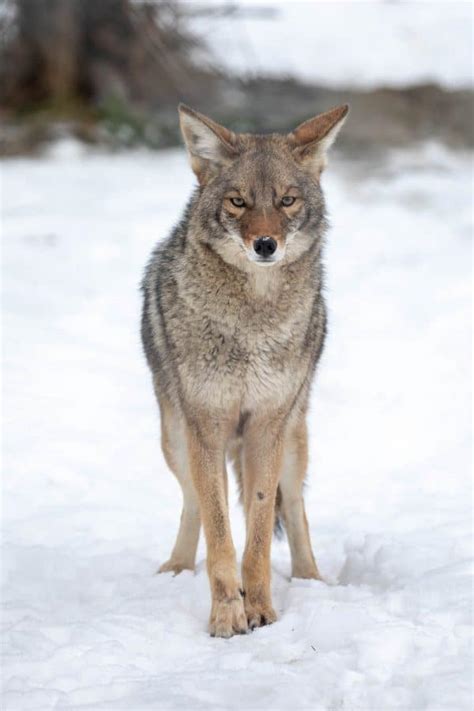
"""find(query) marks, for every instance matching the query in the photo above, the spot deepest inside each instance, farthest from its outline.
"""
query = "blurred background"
(112, 72)
(93, 175)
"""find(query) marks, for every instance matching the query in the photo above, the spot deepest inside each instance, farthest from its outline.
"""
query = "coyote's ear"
(312, 139)
(209, 145)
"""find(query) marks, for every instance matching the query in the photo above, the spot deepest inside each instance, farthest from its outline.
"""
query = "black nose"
(265, 246)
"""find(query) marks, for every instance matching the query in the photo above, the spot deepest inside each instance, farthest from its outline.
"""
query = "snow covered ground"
(348, 44)
(89, 510)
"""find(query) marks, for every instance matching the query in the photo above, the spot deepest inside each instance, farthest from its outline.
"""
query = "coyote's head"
(260, 200)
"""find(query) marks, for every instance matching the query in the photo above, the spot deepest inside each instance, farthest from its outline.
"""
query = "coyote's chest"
(253, 356)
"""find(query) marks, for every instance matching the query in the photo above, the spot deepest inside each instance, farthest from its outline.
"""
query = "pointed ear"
(312, 139)
(209, 145)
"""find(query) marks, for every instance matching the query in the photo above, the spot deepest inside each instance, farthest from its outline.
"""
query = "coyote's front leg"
(263, 447)
(206, 446)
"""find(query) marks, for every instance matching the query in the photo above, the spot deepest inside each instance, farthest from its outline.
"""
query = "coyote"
(233, 326)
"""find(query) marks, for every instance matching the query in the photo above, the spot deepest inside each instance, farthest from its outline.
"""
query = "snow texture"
(90, 511)
(347, 44)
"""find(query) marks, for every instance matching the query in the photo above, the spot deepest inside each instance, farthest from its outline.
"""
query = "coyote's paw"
(228, 618)
(175, 566)
(259, 615)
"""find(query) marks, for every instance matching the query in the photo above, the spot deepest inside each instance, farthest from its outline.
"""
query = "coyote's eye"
(237, 201)
(287, 200)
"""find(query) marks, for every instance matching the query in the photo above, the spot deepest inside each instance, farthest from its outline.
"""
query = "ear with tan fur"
(210, 146)
(312, 139)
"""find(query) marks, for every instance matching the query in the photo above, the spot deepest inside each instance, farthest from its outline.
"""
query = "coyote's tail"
(278, 526)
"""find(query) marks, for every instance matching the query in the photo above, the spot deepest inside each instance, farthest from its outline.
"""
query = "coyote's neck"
(268, 283)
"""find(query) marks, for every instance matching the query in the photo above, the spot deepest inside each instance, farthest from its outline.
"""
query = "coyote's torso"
(222, 341)
(233, 326)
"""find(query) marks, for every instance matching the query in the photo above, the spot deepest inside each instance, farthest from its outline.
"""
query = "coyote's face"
(260, 200)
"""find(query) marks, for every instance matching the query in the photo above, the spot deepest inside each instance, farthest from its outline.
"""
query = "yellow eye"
(287, 200)
(237, 201)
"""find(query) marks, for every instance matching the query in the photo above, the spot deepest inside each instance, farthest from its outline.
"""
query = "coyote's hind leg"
(173, 443)
(291, 486)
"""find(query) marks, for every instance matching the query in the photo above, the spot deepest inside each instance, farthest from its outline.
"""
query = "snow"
(90, 511)
(346, 44)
